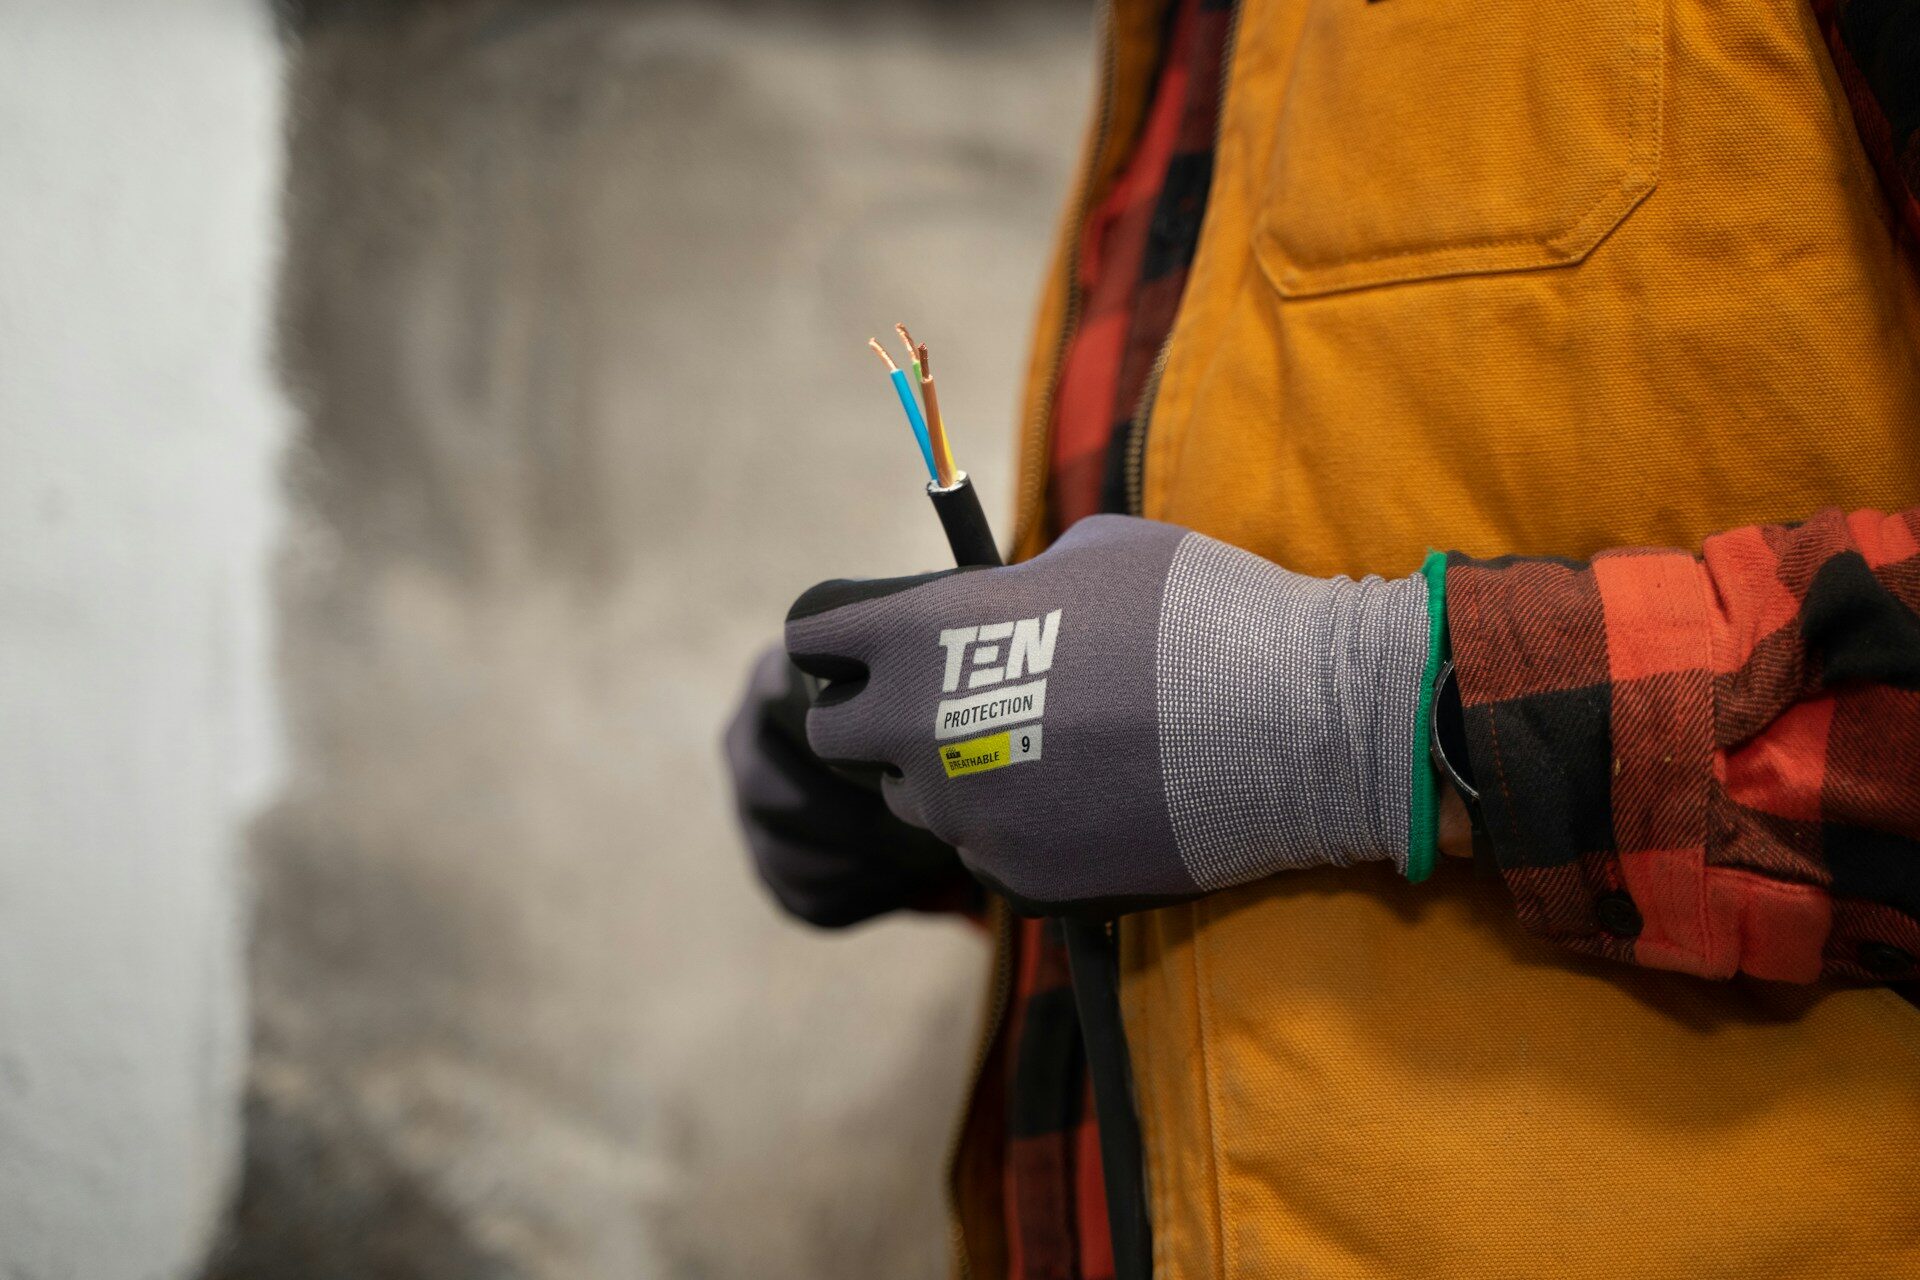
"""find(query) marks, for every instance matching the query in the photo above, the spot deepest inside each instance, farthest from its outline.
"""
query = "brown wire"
(936, 425)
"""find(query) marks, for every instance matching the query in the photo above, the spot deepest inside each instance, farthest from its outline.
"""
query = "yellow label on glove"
(994, 751)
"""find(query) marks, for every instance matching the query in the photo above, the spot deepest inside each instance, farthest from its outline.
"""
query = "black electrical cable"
(1094, 965)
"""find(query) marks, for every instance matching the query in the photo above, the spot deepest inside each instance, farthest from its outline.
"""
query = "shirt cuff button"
(1617, 915)
(1884, 960)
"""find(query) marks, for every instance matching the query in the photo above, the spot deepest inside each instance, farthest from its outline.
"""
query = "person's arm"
(1708, 764)
(1138, 716)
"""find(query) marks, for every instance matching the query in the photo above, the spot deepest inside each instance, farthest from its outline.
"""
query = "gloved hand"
(825, 844)
(1138, 716)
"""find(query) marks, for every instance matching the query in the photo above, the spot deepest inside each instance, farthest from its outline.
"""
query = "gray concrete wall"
(139, 165)
(521, 1009)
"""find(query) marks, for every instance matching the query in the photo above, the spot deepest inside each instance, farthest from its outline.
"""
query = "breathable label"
(996, 708)
(994, 751)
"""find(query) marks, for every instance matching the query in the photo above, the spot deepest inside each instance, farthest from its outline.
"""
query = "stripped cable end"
(945, 472)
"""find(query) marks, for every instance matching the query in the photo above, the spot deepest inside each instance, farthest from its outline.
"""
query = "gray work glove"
(826, 845)
(1138, 716)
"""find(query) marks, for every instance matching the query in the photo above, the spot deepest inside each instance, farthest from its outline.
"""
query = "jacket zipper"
(1136, 460)
(1033, 468)
(1038, 430)
(1136, 466)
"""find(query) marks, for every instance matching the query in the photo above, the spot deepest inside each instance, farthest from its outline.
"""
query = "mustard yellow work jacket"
(1540, 277)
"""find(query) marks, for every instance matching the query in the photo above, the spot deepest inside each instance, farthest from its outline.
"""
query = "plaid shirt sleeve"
(1709, 764)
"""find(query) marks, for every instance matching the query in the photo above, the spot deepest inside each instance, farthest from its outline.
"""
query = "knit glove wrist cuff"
(1288, 712)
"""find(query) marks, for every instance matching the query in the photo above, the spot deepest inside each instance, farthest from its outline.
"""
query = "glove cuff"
(1288, 714)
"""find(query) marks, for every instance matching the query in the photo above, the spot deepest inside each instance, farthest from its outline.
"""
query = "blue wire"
(919, 423)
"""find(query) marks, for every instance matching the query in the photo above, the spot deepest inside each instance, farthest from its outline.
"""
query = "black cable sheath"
(1093, 962)
(968, 533)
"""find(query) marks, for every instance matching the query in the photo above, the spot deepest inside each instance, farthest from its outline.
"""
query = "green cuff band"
(1423, 829)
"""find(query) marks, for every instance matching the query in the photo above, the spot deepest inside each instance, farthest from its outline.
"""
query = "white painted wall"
(139, 429)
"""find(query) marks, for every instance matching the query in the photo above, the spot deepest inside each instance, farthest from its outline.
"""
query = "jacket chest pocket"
(1428, 138)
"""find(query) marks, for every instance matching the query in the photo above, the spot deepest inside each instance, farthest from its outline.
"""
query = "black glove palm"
(824, 842)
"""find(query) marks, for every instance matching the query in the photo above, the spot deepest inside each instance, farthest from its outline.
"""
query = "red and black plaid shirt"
(1707, 764)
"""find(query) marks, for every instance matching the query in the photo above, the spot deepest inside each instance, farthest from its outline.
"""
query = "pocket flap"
(1426, 138)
